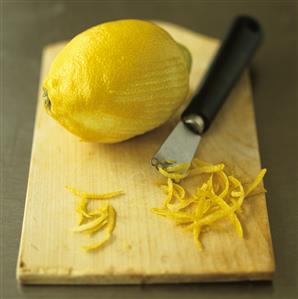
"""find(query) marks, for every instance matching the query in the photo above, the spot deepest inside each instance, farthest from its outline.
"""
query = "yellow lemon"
(117, 80)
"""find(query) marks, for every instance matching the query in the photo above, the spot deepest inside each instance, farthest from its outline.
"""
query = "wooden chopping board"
(145, 248)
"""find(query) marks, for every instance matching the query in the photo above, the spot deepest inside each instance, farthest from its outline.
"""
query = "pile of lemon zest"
(256, 182)
(104, 216)
(220, 197)
(94, 195)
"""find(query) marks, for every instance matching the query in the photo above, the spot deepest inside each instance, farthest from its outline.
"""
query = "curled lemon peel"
(97, 219)
(219, 197)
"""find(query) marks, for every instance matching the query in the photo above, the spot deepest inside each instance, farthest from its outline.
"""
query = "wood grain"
(145, 248)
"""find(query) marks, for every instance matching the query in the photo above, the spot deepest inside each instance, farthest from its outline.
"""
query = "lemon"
(117, 80)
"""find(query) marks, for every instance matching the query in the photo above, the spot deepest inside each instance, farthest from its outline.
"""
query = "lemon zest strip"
(94, 195)
(256, 182)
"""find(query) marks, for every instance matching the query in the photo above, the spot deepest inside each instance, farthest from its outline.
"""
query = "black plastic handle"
(234, 54)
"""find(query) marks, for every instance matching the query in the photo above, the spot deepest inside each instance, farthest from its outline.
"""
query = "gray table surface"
(27, 26)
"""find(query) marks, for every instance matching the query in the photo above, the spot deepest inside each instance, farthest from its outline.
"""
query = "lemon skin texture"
(117, 80)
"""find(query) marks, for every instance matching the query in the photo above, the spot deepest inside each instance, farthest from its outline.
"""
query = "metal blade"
(180, 147)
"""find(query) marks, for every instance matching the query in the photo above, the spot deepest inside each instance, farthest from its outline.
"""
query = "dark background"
(27, 26)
